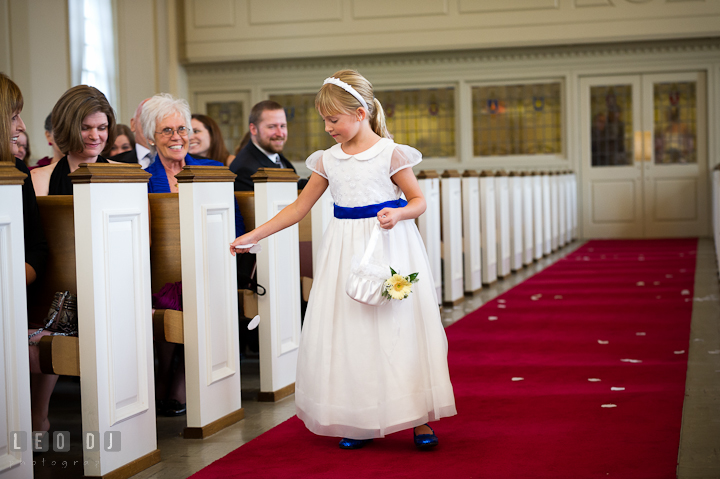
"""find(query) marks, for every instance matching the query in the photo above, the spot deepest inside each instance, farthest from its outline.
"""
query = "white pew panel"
(488, 227)
(546, 213)
(528, 224)
(471, 231)
(502, 219)
(210, 299)
(429, 225)
(114, 315)
(554, 211)
(538, 224)
(278, 269)
(453, 283)
(15, 422)
(515, 186)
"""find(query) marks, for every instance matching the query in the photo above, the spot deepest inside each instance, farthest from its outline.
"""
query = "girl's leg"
(42, 386)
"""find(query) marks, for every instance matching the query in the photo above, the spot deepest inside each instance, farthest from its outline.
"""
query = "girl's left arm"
(405, 179)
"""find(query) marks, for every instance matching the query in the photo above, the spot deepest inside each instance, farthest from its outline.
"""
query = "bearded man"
(268, 133)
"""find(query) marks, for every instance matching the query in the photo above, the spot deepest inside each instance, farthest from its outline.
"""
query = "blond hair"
(333, 100)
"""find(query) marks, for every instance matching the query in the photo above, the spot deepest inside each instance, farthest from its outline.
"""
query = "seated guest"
(166, 121)
(36, 249)
(22, 148)
(143, 152)
(268, 133)
(124, 141)
(83, 123)
(57, 154)
(207, 141)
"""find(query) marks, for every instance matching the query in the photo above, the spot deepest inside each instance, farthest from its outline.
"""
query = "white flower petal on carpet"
(518, 379)
(492, 318)
(535, 297)
(600, 341)
(641, 283)
(682, 351)
(617, 389)
(640, 333)
(594, 380)
(685, 292)
(634, 361)
(609, 405)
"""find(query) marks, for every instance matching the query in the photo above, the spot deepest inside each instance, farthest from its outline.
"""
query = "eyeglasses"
(168, 132)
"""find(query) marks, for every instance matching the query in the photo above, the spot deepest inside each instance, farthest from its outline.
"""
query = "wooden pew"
(58, 354)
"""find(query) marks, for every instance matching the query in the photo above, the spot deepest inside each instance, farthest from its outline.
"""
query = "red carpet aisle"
(578, 372)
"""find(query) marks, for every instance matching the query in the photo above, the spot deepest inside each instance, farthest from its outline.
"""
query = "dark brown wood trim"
(427, 174)
(275, 175)
(205, 174)
(450, 174)
(134, 467)
(9, 175)
(486, 173)
(215, 426)
(109, 173)
(277, 395)
(454, 303)
(501, 173)
(470, 174)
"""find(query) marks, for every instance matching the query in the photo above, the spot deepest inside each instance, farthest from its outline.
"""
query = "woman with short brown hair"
(83, 123)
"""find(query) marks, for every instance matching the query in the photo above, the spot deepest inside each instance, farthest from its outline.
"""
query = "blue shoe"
(346, 443)
(425, 441)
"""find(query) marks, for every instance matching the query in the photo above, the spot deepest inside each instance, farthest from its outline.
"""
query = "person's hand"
(388, 217)
(247, 238)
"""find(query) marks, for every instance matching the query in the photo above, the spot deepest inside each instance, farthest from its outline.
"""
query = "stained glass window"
(611, 131)
(231, 119)
(306, 130)
(517, 119)
(674, 109)
(422, 118)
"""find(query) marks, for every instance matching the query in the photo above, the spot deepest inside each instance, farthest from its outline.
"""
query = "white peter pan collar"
(368, 154)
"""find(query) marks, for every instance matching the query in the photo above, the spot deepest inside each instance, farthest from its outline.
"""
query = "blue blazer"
(159, 184)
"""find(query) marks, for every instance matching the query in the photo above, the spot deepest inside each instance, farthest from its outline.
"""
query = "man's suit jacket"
(129, 156)
(247, 162)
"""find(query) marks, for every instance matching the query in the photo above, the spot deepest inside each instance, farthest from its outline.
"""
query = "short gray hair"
(159, 107)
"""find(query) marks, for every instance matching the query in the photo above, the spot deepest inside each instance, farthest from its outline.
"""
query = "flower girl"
(364, 370)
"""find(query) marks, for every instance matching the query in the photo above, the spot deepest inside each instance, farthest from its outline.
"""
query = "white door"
(644, 157)
(675, 168)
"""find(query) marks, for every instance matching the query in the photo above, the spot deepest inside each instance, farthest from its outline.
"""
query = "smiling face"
(342, 126)
(17, 126)
(175, 147)
(271, 131)
(121, 145)
(200, 141)
(20, 147)
(94, 131)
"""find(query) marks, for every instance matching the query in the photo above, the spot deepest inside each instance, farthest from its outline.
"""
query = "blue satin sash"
(368, 211)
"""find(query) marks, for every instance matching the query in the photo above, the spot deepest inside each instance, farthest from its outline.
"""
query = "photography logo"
(59, 441)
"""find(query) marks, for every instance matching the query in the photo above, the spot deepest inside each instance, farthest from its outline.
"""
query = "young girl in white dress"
(366, 371)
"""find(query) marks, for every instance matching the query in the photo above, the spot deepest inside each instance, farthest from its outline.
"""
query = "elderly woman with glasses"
(165, 122)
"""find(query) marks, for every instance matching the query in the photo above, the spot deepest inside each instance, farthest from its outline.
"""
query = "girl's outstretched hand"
(388, 217)
(247, 238)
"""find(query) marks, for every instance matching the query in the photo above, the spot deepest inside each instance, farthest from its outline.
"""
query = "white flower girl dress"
(367, 371)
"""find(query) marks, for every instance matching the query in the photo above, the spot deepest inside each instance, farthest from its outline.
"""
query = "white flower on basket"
(397, 286)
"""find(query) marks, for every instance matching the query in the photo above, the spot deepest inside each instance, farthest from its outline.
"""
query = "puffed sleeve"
(314, 163)
(404, 157)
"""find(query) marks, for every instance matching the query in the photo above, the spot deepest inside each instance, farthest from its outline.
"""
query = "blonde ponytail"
(377, 120)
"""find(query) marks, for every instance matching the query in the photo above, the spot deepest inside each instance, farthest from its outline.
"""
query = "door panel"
(675, 187)
(611, 162)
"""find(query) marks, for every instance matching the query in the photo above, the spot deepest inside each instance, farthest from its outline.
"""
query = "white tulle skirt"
(366, 371)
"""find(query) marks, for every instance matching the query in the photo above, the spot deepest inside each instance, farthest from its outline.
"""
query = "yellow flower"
(398, 287)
